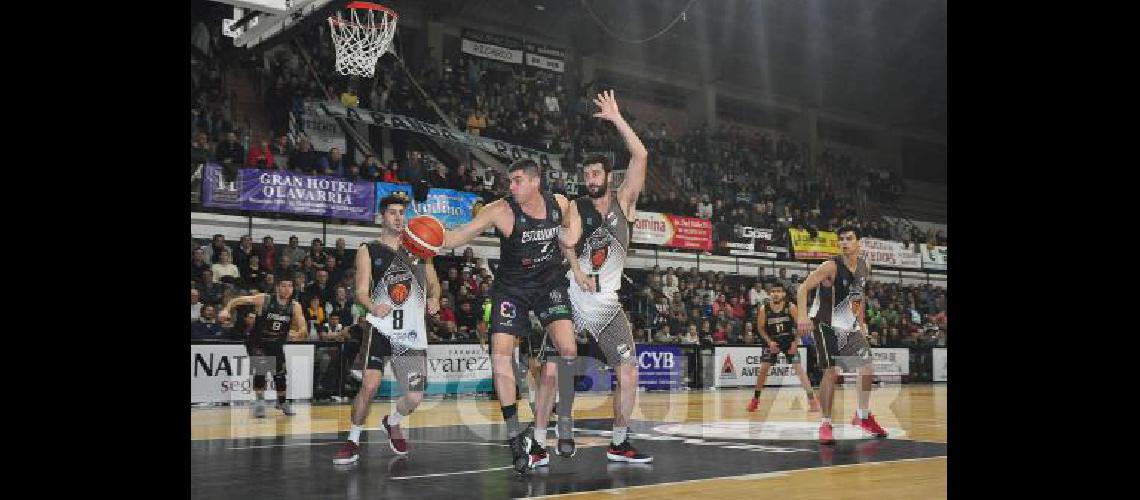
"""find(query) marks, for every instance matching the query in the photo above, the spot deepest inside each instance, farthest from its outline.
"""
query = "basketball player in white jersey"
(395, 287)
(596, 242)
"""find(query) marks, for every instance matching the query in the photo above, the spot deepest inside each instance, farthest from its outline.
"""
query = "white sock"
(863, 413)
(825, 420)
(354, 434)
(540, 436)
(395, 418)
(619, 435)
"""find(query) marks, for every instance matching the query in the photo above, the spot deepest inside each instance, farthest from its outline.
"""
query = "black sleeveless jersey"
(833, 304)
(275, 320)
(531, 257)
(779, 324)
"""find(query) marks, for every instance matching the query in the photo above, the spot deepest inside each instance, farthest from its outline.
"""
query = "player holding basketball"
(277, 315)
(840, 328)
(530, 277)
(395, 287)
(777, 320)
(596, 242)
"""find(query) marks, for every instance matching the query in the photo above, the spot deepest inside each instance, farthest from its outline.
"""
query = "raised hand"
(607, 106)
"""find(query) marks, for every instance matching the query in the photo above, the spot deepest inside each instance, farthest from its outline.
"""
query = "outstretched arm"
(245, 300)
(638, 155)
(469, 231)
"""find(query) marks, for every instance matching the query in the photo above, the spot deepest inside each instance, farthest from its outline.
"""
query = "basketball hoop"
(362, 38)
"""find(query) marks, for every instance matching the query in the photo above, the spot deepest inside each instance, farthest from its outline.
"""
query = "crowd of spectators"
(324, 285)
(732, 177)
(690, 307)
(663, 305)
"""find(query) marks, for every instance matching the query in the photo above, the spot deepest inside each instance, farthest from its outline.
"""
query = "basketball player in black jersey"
(598, 230)
(396, 288)
(531, 277)
(840, 329)
(278, 316)
(777, 321)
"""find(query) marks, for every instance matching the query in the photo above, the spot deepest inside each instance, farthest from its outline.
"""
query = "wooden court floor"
(917, 410)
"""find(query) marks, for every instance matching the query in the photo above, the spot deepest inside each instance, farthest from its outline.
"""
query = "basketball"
(423, 236)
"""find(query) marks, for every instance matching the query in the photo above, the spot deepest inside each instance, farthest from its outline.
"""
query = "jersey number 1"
(398, 319)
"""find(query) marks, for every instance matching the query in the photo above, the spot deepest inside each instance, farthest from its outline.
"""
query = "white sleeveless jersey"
(400, 283)
(602, 251)
(604, 244)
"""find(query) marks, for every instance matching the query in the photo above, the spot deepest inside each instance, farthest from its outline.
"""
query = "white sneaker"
(259, 409)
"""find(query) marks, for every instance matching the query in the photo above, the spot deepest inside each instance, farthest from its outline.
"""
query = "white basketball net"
(361, 39)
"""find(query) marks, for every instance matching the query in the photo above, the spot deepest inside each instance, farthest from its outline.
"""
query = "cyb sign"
(659, 367)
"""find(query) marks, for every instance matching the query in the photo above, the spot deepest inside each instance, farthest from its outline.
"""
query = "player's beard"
(601, 191)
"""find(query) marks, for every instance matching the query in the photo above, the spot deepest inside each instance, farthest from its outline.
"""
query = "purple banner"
(334, 197)
(216, 192)
(279, 191)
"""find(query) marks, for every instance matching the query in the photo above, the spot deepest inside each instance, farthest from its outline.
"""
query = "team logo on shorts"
(623, 351)
(507, 309)
(556, 295)
(416, 380)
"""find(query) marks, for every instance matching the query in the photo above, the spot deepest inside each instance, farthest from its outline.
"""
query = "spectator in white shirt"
(757, 295)
(225, 268)
(195, 305)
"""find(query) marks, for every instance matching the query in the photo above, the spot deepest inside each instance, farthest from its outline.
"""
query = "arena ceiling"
(882, 60)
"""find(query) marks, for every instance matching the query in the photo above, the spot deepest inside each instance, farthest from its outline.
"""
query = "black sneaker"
(625, 452)
(538, 455)
(520, 447)
(566, 448)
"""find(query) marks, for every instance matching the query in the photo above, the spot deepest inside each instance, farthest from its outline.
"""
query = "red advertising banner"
(673, 231)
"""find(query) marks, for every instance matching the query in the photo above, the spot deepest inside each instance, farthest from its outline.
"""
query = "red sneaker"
(349, 453)
(825, 436)
(753, 404)
(869, 425)
(625, 452)
(538, 455)
(396, 441)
